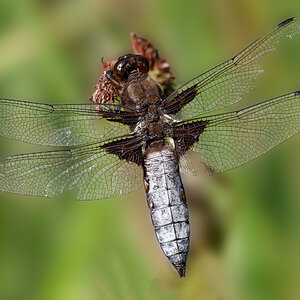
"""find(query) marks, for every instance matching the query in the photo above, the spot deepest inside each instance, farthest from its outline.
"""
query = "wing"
(228, 82)
(58, 125)
(93, 170)
(229, 140)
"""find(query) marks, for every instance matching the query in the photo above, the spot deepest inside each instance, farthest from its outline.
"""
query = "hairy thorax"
(139, 90)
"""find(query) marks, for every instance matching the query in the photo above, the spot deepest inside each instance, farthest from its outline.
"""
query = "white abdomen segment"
(167, 204)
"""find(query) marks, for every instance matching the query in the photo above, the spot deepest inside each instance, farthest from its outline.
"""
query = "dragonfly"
(138, 131)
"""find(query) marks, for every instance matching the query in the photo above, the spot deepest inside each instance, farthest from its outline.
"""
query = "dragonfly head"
(128, 63)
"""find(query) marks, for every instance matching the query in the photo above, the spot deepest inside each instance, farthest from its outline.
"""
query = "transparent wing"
(91, 170)
(233, 139)
(53, 125)
(228, 82)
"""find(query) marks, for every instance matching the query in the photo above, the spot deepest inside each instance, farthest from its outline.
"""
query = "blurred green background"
(245, 224)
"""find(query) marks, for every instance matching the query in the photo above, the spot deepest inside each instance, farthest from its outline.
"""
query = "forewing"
(91, 170)
(233, 139)
(229, 81)
(55, 125)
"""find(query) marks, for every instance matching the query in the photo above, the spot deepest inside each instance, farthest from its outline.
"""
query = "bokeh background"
(245, 240)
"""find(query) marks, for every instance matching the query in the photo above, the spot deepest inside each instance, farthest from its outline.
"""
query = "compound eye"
(142, 63)
(128, 63)
(119, 68)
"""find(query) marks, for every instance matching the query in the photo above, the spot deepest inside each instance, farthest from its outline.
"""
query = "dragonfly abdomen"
(167, 203)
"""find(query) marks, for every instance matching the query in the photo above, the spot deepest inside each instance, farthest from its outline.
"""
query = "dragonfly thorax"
(140, 90)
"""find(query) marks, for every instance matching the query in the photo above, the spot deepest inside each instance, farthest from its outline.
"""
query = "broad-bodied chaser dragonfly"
(148, 132)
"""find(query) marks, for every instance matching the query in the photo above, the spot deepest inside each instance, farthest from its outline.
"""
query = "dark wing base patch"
(186, 134)
(129, 148)
(180, 100)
